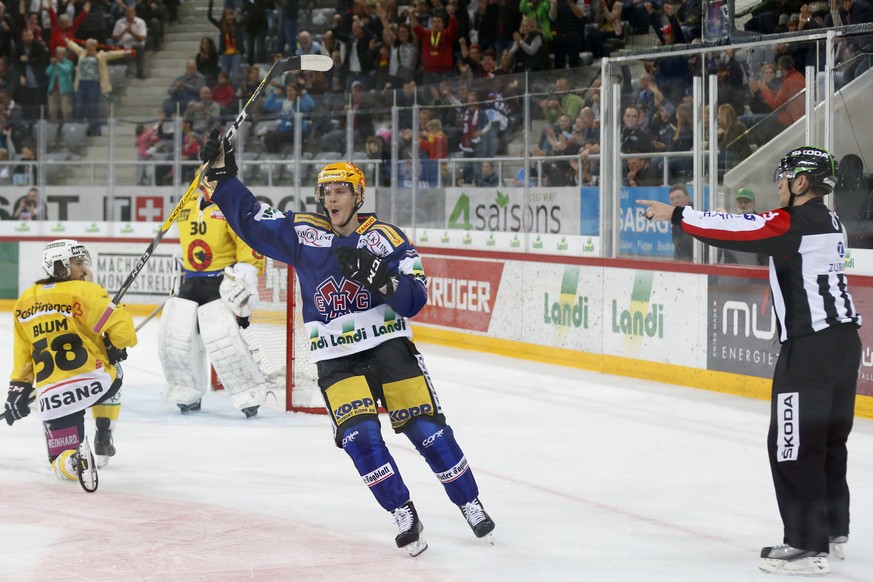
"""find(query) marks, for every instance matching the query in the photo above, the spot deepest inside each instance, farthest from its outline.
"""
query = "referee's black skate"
(480, 522)
(104, 447)
(410, 527)
(791, 561)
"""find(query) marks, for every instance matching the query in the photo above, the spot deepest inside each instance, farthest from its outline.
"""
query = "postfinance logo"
(569, 309)
(642, 318)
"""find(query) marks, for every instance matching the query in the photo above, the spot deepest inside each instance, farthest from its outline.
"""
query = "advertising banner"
(546, 210)
(461, 293)
(654, 316)
(863, 298)
(8, 270)
(590, 207)
(638, 236)
(111, 263)
(742, 335)
(142, 203)
(563, 306)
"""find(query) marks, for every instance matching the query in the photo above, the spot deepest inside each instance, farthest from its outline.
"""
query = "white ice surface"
(588, 477)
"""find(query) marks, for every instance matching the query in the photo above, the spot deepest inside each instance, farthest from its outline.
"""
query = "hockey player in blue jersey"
(360, 279)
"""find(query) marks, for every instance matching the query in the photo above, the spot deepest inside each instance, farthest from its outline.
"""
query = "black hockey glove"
(212, 152)
(114, 354)
(366, 268)
(17, 402)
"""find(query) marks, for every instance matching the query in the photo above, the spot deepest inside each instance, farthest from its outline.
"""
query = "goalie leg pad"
(436, 443)
(230, 355)
(362, 441)
(181, 352)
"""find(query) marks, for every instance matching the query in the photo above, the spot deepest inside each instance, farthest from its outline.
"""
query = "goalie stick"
(295, 63)
(151, 315)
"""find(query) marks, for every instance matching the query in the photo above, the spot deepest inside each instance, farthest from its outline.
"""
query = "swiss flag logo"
(149, 209)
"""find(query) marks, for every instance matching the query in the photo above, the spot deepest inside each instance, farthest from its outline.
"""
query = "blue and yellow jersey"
(54, 345)
(342, 317)
(208, 242)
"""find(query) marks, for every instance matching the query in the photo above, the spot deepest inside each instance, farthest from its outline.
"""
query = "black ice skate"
(186, 408)
(480, 522)
(410, 528)
(250, 411)
(83, 463)
(104, 448)
(792, 561)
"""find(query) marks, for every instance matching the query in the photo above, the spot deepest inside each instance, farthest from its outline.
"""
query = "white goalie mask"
(57, 255)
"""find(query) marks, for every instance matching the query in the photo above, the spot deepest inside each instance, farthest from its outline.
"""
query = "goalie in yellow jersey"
(66, 367)
(215, 302)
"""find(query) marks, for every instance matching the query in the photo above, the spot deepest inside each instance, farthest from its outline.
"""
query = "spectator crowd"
(457, 59)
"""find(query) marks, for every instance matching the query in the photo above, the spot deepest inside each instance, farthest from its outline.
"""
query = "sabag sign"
(742, 334)
(461, 293)
(637, 235)
(546, 210)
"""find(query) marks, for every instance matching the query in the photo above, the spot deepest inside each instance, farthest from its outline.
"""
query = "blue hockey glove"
(366, 268)
(226, 163)
(18, 400)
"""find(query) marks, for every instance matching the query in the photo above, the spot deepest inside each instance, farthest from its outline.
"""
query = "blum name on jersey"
(55, 348)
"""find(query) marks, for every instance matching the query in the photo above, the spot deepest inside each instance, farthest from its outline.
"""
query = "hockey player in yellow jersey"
(64, 365)
(215, 301)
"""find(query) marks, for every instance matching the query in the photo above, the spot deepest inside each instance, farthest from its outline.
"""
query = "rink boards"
(703, 326)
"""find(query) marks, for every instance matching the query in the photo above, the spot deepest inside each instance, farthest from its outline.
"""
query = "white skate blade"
(837, 550)
(415, 548)
(101, 460)
(813, 566)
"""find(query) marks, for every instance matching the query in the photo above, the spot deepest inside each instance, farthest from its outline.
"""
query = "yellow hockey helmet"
(344, 172)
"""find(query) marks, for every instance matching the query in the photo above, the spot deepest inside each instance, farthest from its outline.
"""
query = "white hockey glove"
(239, 289)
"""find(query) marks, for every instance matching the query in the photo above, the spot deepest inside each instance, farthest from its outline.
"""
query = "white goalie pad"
(181, 352)
(230, 355)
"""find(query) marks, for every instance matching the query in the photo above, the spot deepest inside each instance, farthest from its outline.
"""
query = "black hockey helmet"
(818, 165)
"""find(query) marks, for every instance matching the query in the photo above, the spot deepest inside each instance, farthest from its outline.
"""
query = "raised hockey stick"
(295, 63)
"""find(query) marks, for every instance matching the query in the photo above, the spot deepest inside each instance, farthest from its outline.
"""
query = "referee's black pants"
(811, 415)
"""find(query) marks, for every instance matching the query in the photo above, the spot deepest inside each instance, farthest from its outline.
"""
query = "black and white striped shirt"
(807, 249)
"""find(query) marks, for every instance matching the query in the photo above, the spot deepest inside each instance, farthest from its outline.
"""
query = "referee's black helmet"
(818, 165)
